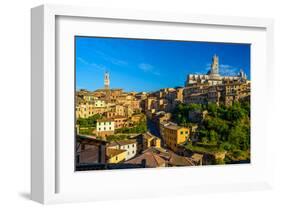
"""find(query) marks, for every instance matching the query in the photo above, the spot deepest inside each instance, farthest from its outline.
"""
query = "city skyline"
(149, 65)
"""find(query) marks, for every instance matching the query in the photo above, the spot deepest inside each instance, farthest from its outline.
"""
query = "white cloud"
(118, 62)
(145, 67)
(83, 61)
(110, 58)
(98, 67)
(92, 65)
(148, 68)
(228, 70)
(224, 69)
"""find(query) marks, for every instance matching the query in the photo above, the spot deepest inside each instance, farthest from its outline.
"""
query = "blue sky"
(148, 65)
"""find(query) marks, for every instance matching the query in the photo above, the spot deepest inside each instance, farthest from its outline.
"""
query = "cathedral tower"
(214, 71)
(215, 65)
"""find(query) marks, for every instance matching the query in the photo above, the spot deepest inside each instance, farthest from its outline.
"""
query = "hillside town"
(200, 123)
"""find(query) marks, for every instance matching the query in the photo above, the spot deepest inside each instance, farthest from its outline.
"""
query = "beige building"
(175, 135)
(84, 110)
(130, 146)
(120, 121)
(99, 103)
(150, 140)
(115, 155)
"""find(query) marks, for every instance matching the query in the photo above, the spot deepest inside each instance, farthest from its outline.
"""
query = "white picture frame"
(51, 177)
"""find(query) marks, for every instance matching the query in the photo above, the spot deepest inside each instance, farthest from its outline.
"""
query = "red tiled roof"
(152, 160)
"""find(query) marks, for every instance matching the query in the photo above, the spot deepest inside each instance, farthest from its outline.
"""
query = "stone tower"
(106, 80)
(106, 86)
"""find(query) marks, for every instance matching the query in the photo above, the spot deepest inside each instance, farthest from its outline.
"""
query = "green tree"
(88, 122)
(212, 109)
(214, 137)
(239, 137)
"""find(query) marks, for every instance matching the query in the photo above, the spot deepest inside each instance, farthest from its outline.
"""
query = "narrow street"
(152, 128)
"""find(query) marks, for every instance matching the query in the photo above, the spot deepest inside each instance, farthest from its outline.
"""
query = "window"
(181, 132)
(186, 132)
(116, 158)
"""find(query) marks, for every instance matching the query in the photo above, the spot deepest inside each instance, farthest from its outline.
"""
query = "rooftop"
(122, 142)
(110, 152)
(176, 160)
(117, 89)
(152, 160)
(147, 135)
(105, 120)
(118, 117)
(125, 142)
(174, 127)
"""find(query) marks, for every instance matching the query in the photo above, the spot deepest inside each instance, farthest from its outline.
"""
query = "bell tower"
(106, 86)
(106, 80)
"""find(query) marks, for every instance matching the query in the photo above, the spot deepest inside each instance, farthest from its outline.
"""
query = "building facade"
(130, 146)
(105, 127)
(115, 155)
(175, 135)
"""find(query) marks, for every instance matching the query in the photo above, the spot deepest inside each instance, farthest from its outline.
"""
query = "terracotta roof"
(110, 152)
(176, 160)
(118, 117)
(147, 135)
(170, 157)
(112, 144)
(121, 142)
(105, 120)
(174, 127)
(125, 142)
(152, 160)
(89, 155)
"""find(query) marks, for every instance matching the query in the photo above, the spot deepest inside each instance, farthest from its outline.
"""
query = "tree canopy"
(227, 127)
(88, 122)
